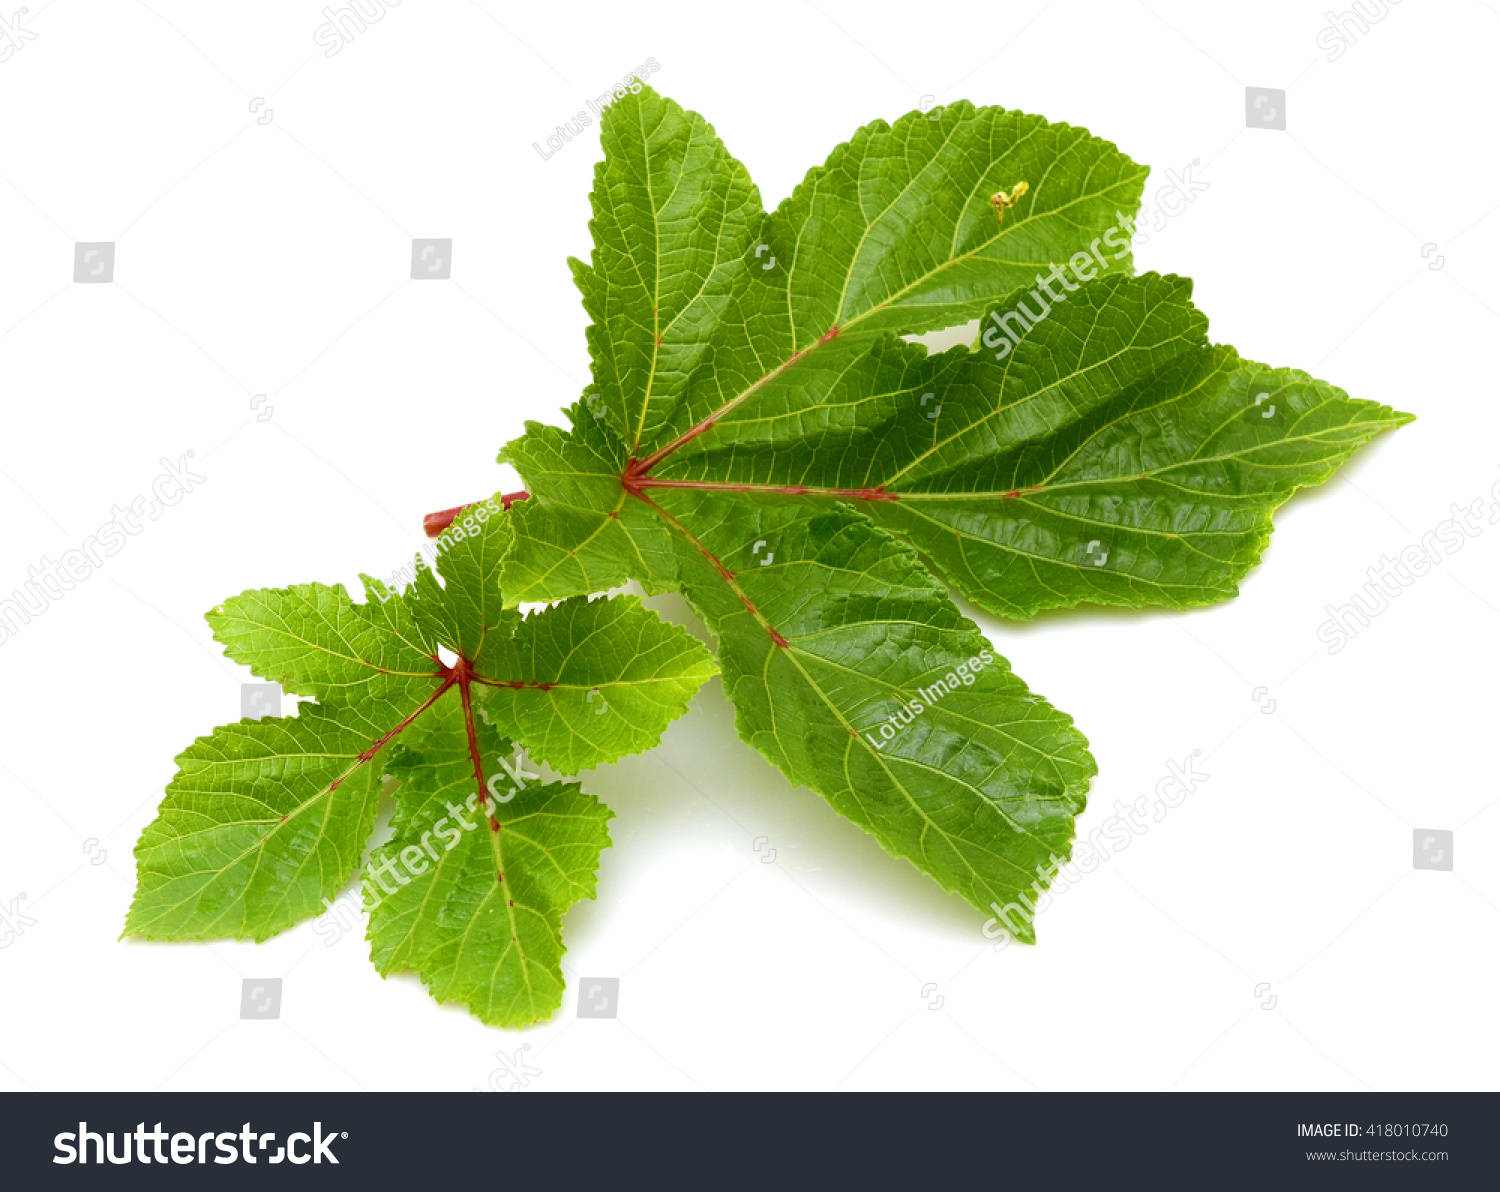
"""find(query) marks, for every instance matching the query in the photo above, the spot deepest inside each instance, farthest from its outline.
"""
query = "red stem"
(634, 478)
(724, 573)
(788, 490)
(463, 673)
(435, 523)
(404, 723)
(645, 465)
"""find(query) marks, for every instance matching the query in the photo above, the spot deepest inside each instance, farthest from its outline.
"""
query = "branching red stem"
(463, 673)
(637, 478)
(405, 722)
(435, 523)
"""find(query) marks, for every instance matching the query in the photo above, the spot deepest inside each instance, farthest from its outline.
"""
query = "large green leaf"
(851, 670)
(758, 435)
(700, 300)
(1112, 456)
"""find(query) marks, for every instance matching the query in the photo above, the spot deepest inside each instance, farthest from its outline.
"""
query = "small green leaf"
(594, 680)
(267, 819)
(314, 640)
(471, 897)
(264, 820)
(465, 610)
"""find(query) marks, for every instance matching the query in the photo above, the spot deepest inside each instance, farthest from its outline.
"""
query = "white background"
(274, 259)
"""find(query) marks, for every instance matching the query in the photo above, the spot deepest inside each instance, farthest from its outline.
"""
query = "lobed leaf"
(472, 898)
(852, 672)
(1112, 456)
(594, 680)
(264, 820)
(759, 436)
(699, 299)
(267, 819)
